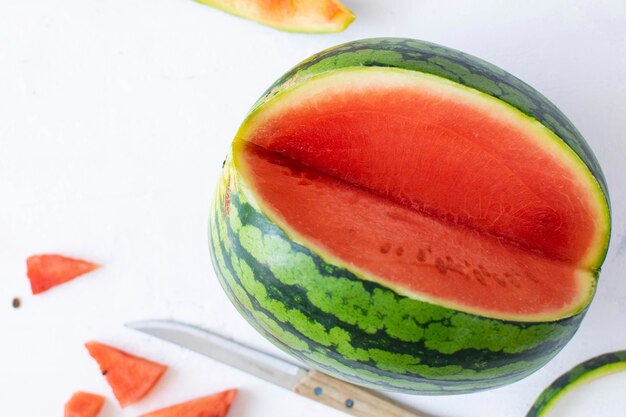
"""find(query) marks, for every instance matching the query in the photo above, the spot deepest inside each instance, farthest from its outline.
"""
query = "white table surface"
(115, 117)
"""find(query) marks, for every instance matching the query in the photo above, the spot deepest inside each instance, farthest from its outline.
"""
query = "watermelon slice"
(600, 366)
(84, 404)
(406, 216)
(130, 377)
(216, 405)
(290, 15)
(47, 271)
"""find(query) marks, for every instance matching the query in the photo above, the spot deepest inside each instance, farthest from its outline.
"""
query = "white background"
(115, 117)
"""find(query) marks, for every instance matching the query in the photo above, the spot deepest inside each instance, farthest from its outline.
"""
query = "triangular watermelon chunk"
(84, 404)
(130, 377)
(47, 271)
(216, 405)
(309, 16)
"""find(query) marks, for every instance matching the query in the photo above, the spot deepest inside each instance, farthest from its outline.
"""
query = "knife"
(341, 395)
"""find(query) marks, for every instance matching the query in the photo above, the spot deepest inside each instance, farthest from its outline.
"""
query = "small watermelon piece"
(290, 15)
(586, 372)
(409, 217)
(130, 377)
(84, 404)
(47, 271)
(216, 405)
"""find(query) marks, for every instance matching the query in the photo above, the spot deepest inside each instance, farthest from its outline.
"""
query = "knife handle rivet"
(318, 391)
(349, 403)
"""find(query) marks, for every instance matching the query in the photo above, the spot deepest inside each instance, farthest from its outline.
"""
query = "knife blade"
(315, 385)
(263, 365)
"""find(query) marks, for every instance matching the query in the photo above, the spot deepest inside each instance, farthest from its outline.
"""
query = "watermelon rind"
(583, 373)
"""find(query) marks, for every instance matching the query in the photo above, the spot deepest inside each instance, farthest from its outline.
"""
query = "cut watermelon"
(407, 216)
(47, 271)
(290, 15)
(216, 405)
(130, 377)
(84, 404)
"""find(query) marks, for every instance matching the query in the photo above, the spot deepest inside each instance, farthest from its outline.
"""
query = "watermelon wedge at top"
(216, 405)
(406, 216)
(312, 16)
(131, 378)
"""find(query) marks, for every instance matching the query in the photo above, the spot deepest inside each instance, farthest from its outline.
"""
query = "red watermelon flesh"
(47, 271)
(216, 405)
(130, 377)
(84, 404)
(441, 192)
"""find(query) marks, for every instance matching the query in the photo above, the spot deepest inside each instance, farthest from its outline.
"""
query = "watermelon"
(47, 271)
(130, 377)
(216, 405)
(408, 217)
(312, 16)
(583, 373)
(84, 404)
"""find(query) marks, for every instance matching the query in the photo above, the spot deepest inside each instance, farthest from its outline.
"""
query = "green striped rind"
(587, 371)
(446, 63)
(359, 330)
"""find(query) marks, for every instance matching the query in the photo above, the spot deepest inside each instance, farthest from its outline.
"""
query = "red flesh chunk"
(130, 377)
(47, 271)
(84, 404)
(414, 253)
(216, 405)
(299, 16)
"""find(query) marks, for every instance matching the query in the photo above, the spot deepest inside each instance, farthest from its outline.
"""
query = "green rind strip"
(587, 371)
(449, 64)
(359, 329)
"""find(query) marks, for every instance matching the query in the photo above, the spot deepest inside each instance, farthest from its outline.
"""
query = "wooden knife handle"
(349, 398)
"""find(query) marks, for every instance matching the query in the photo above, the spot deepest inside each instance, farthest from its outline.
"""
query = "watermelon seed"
(295, 172)
(399, 251)
(421, 255)
(441, 267)
(499, 281)
(479, 277)
(385, 248)
(16, 303)
(311, 175)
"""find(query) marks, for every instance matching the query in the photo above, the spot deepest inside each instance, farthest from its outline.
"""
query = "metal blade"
(263, 365)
